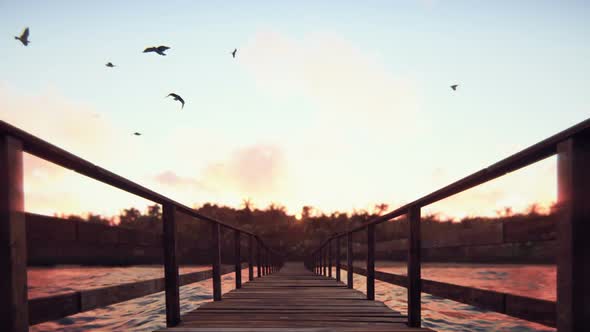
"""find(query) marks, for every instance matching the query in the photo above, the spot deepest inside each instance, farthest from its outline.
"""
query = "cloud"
(348, 87)
(254, 170)
(170, 178)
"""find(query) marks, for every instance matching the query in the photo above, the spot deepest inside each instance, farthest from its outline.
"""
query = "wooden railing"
(570, 313)
(16, 313)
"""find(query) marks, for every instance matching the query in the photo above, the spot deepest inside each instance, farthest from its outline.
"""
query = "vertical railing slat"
(330, 258)
(573, 234)
(237, 259)
(414, 275)
(258, 259)
(250, 257)
(338, 258)
(14, 314)
(216, 263)
(371, 262)
(349, 261)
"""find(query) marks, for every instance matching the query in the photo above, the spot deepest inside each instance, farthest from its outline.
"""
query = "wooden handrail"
(573, 149)
(13, 292)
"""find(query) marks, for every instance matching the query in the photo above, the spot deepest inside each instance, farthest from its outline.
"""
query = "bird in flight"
(177, 97)
(160, 50)
(137, 134)
(454, 87)
(110, 65)
(24, 37)
(234, 52)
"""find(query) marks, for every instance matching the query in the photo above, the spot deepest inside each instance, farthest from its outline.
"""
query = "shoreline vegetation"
(295, 234)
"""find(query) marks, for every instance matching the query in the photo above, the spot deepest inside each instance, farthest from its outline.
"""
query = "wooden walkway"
(294, 300)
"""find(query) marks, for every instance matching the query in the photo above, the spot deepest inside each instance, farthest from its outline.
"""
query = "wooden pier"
(294, 299)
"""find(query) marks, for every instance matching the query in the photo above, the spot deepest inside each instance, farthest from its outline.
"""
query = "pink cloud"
(258, 169)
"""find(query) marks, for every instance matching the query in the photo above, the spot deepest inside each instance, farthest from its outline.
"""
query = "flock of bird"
(161, 50)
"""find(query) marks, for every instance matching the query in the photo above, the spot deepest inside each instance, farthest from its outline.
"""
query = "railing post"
(573, 232)
(250, 258)
(330, 258)
(317, 263)
(338, 258)
(325, 256)
(14, 311)
(349, 260)
(258, 258)
(371, 262)
(267, 261)
(172, 281)
(237, 259)
(216, 264)
(414, 275)
(321, 260)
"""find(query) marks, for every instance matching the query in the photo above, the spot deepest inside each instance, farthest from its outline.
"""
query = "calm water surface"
(147, 313)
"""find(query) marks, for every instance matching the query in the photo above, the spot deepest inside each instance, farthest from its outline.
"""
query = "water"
(148, 314)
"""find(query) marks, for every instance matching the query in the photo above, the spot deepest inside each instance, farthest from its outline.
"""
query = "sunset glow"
(336, 108)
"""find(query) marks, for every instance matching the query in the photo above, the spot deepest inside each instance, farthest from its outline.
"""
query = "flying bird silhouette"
(137, 134)
(234, 52)
(110, 65)
(177, 97)
(454, 87)
(160, 50)
(24, 37)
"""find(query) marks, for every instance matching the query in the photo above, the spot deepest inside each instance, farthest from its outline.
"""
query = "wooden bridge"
(294, 299)
(288, 297)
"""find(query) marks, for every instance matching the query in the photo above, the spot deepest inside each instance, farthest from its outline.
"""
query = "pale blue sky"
(322, 95)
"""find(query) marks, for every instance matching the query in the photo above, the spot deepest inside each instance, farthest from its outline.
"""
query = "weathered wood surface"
(13, 245)
(294, 299)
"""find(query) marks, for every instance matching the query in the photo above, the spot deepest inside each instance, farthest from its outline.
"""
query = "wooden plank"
(216, 261)
(294, 298)
(414, 276)
(13, 238)
(172, 280)
(295, 329)
(573, 232)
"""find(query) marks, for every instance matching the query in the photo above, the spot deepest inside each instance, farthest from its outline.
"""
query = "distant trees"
(282, 231)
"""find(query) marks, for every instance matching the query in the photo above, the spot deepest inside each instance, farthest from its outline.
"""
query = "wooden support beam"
(216, 260)
(371, 262)
(325, 258)
(14, 315)
(330, 258)
(349, 261)
(573, 233)
(338, 258)
(237, 259)
(414, 275)
(250, 257)
(258, 259)
(172, 280)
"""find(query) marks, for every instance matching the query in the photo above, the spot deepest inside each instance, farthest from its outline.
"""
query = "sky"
(340, 105)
